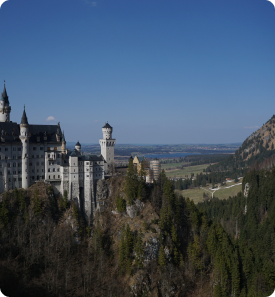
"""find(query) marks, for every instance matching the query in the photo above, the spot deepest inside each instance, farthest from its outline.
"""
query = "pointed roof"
(78, 144)
(107, 125)
(4, 95)
(24, 119)
(63, 137)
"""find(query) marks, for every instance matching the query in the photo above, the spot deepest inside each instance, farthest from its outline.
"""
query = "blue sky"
(160, 71)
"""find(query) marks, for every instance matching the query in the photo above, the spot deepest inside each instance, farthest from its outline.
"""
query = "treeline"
(203, 180)
(251, 224)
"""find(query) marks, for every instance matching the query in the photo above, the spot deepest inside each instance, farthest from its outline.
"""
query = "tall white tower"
(5, 108)
(107, 146)
(24, 137)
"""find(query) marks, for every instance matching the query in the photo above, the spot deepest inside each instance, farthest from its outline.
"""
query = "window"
(6, 157)
(41, 148)
(58, 155)
(37, 163)
(32, 170)
(37, 170)
(14, 164)
(48, 148)
(19, 164)
(49, 155)
(14, 157)
(32, 156)
(37, 156)
(14, 172)
(58, 163)
(0, 157)
(6, 149)
(53, 169)
(43, 176)
(32, 177)
(19, 149)
(9, 172)
(19, 172)
(87, 175)
(55, 148)
(34, 148)
(49, 170)
(74, 170)
(58, 169)
(42, 170)
(0, 172)
(42, 156)
(9, 164)
(19, 157)
(20, 178)
(54, 177)
(14, 148)
(58, 176)
(9, 180)
(49, 177)
(37, 178)
(30, 164)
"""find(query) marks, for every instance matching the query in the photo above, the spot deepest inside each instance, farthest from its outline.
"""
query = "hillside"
(145, 241)
(137, 249)
(258, 147)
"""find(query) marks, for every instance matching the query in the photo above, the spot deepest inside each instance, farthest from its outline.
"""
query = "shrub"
(120, 204)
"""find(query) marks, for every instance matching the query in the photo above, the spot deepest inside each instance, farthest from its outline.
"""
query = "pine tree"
(4, 212)
(37, 203)
(139, 251)
(122, 252)
(141, 182)
(181, 261)
(174, 234)
(162, 258)
(128, 237)
(131, 183)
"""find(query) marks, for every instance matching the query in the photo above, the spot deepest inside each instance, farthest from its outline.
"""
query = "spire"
(4, 95)
(24, 119)
(63, 137)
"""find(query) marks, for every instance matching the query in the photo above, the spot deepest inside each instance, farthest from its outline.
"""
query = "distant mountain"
(257, 148)
(260, 145)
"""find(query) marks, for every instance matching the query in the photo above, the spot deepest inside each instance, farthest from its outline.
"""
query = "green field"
(196, 194)
(185, 171)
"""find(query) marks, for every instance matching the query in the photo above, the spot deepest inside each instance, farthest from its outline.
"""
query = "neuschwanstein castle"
(29, 153)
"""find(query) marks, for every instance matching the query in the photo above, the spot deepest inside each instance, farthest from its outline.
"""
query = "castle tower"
(78, 147)
(5, 108)
(107, 146)
(63, 145)
(24, 137)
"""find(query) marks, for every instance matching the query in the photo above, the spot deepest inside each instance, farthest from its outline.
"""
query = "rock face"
(151, 249)
(102, 194)
(134, 209)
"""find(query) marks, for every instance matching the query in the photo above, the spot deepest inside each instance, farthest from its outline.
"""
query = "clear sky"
(160, 71)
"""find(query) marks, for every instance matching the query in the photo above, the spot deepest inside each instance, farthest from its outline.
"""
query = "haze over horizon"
(160, 72)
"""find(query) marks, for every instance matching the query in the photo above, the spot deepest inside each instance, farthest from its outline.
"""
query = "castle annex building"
(29, 153)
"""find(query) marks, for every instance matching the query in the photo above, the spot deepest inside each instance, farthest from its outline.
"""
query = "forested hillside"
(250, 221)
(147, 242)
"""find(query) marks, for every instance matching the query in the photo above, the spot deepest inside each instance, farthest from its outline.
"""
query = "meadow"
(196, 194)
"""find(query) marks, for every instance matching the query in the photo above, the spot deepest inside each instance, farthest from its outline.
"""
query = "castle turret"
(24, 137)
(5, 108)
(78, 147)
(107, 146)
(63, 145)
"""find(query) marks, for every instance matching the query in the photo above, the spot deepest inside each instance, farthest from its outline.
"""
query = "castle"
(30, 153)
